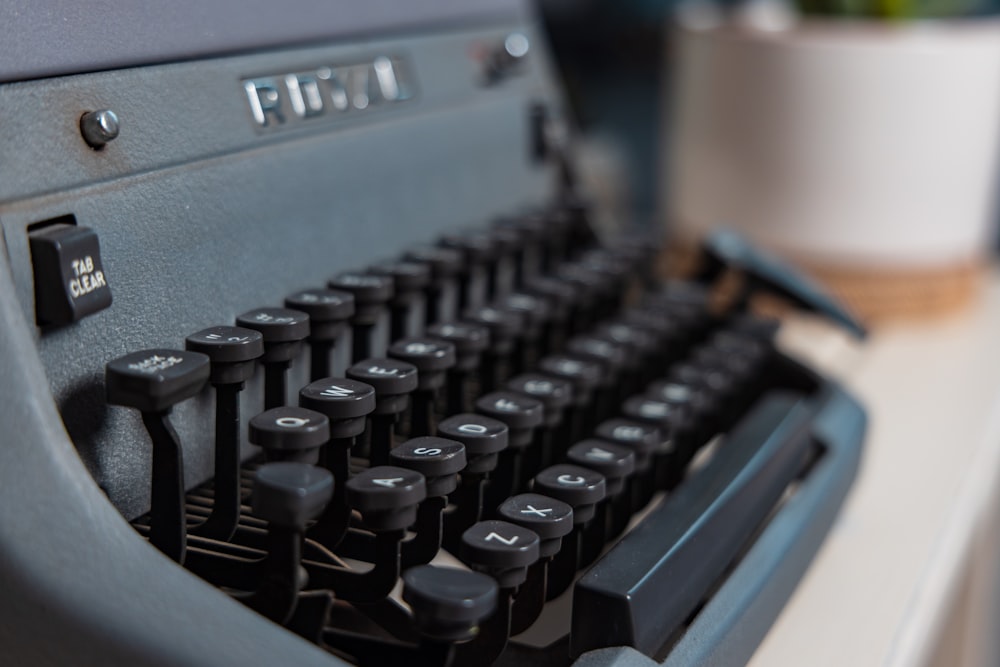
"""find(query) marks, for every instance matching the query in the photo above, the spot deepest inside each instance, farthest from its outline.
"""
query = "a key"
(445, 264)
(329, 311)
(504, 326)
(479, 251)
(522, 415)
(290, 433)
(470, 340)
(233, 352)
(585, 376)
(410, 279)
(439, 460)
(555, 395)
(432, 358)
(617, 464)
(153, 381)
(346, 404)
(643, 439)
(393, 380)
(283, 330)
(371, 293)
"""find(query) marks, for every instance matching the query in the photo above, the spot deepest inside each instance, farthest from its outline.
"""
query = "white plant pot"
(856, 145)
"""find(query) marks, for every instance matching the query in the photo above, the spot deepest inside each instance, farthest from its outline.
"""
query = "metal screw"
(99, 127)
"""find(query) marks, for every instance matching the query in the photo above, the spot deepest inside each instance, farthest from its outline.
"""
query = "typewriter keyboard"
(512, 400)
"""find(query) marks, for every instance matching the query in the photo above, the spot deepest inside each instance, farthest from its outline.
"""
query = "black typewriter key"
(672, 420)
(410, 279)
(346, 403)
(593, 291)
(287, 496)
(616, 275)
(612, 357)
(445, 265)
(522, 415)
(667, 334)
(502, 273)
(439, 460)
(548, 518)
(371, 293)
(505, 551)
(551, 520)
(644, 440)
(329, 312)
(283, 330)
(531, 230)
(561, 298)
(534, 313)
(387, 497)
(555, 395)
(469, 340)
(449, 603)
(585, 376)
(617, 464)
(504, 326)
(501, 549)
(640, 349)
(484, 439)
(153, 381)
(393, 380)
(643, 249)
(290, 433)
(479, 251)
(432, 358)
(233, 352)
(582, 489)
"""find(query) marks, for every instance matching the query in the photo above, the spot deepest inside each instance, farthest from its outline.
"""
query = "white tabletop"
(897, 561)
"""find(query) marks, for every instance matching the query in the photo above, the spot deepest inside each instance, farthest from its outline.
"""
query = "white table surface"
(885, 582)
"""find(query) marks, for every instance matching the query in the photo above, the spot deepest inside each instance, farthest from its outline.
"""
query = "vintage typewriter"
(312, 353)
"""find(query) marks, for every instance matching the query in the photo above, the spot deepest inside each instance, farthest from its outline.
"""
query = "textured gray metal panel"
(196, 230)
(43, 38)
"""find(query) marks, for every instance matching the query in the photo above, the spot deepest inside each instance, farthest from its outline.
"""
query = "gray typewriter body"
(203, 211)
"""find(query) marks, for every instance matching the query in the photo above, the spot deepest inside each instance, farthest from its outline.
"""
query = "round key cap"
(548, 518)
(642, 438)
(392, 380)
(615, 462)
(522, 414)
(554, 393)
(155, 380)
(430, 356)
(283, 330)
(443, 262)
(409, 278)
(561, 295)
(637, 341)
(483, 438)
(345, 402)
(609, 354)
(290, 434)
(370, 294)
(232, 351)
(580, 488)
(439, 460)
(583, 374)
(328, 310)
(386, 496)
(667, 416)
(476, 246)
(290, 494)
(533, 309)
(448, 603)
(686, 397)
(503, 325)
(468, 339)
(501, 549)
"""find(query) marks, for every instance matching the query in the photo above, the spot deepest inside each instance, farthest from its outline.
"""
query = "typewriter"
(313, 354)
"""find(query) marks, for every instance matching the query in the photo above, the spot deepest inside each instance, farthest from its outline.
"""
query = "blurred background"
(859, 138)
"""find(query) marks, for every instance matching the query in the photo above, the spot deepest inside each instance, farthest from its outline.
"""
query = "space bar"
(643, 590)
